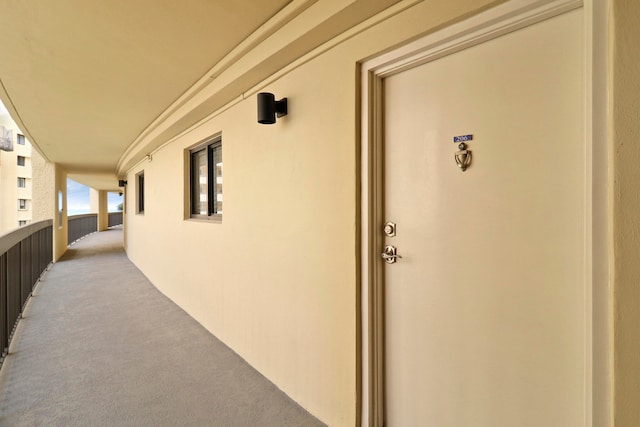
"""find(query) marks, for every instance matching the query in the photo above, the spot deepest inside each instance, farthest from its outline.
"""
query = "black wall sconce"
(269, 108)
(122, 183)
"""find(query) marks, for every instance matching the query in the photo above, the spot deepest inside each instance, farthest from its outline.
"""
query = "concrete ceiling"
(84, 79)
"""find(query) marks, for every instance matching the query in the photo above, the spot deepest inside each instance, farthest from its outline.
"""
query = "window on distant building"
(21, 223)
(206, 180)
(140, 193)
(22, 204)
(22, 182)
(20, 139)
(20, 160)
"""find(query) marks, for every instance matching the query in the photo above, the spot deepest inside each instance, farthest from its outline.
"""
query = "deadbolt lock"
(390, 229)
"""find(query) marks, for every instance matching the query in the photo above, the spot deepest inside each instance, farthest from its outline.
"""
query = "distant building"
(15, 176)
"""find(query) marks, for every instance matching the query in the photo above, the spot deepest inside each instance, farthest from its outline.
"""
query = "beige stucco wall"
(48, 180)
(98, 202)
(60, 224)
(43, 188)
(625, 102)
(277, 279)
(94, 200)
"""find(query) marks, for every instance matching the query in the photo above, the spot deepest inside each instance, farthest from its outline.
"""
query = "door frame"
(497, 21)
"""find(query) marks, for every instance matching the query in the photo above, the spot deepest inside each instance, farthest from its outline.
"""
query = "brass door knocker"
(463, 157)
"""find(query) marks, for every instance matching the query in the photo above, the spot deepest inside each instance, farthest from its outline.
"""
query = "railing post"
(4, 317)
(13, 285)
(25, 270)
(35, 258)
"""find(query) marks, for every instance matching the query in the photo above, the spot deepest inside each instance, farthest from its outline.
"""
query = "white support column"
(60, 221)
(99, 205)
(50, 199)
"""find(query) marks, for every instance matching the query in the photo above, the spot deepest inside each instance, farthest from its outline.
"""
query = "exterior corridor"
(100, 346)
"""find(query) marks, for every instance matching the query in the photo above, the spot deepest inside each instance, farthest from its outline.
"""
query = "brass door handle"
(390, 254)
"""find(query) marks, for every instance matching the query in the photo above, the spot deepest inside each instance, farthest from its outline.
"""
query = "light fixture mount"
(269, 108)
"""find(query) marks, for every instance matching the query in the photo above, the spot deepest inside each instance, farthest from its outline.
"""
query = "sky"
(78, 199)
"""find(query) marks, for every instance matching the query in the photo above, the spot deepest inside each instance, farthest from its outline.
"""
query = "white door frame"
(502, 19)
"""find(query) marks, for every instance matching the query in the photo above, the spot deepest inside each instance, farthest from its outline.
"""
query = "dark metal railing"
(115, 218)
(81, 225)
(26, 252)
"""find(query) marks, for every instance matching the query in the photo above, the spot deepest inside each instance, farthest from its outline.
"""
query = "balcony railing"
(115, 218)
(81, 225)
(26, 252)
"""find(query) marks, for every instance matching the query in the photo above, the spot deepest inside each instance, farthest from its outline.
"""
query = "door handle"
(390, 254)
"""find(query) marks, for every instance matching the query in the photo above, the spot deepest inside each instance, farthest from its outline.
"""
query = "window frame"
(140, 193)
(210, 145)
(19, 158)
(22, 180)
(20, 139)
(22, 206)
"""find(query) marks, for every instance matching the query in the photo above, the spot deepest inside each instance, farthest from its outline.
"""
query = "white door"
(484, 312)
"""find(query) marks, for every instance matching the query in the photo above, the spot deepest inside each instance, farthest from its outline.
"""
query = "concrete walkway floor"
(100, 346)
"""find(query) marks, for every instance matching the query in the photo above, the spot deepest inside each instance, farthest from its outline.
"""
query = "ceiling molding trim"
(282, 18)
(15, 115)
(207, 88)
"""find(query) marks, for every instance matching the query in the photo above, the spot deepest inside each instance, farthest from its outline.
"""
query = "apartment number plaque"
(463, 155)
